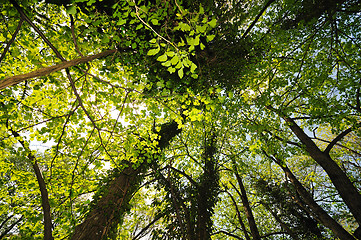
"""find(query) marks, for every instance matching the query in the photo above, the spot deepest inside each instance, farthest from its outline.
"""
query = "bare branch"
(228, 234)
(13, 80)
(338, 138)
(43, 190)
(156, 218)
(23, 16)
(257, 18)
(6, 49)
(184, 174)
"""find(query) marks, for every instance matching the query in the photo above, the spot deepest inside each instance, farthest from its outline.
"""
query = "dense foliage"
(180, 119)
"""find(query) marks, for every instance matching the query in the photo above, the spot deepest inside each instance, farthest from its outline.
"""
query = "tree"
(204, 108)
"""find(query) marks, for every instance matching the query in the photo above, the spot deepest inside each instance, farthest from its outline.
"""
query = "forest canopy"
(180, 119)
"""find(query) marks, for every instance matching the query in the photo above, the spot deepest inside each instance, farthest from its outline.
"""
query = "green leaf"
(179, 65)
(154, 51)
(213, 23)
(162, 58)
(121, 21)
(174, 60)
(184, 27)
(180, 73)
(171, 69)
(154, 21)
(210, 37)
(71, 10)
(170, 53)
(193, 67)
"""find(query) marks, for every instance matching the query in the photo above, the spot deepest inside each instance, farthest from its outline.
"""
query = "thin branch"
(228, 234)
(6, 49)
(274, 233)
(283, 140)
(5, 221)
(257, 18)
(26, 18)
(43, 190)
(10, 227)
(184, 174)
(238, 216)
(338, 138)
(150, 27)
(148, 226)
(73, 35)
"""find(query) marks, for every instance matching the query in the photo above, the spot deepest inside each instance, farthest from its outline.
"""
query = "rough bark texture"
(13, 80)
(43, 191)
(247, 208)
(317, 211)
(109, 210)
(343, 185)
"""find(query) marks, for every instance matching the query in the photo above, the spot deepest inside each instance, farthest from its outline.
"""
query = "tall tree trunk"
(317, 211)
(111, 207)
(48, 235)
(207, 190)
(283, 225)
(342, 183)
(246, 206)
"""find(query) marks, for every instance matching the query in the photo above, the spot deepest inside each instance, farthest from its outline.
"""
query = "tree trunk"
(48, 235)
(111, 207)
(317, 211)
(246, 206)
(342, 183)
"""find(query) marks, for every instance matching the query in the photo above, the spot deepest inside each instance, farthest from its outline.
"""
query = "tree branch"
(257, 18)
(317, 211)
(338, 138)
(184, 174)
(10, 227)
(238, 215)
(6, 49)
(23, 16)
(43, 190)
(156, 218)
(13, 80)
(228, 234)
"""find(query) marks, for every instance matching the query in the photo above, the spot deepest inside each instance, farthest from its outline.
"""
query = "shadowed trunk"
(342, 183)
(317, 211)
(110, 208)
(246, 206)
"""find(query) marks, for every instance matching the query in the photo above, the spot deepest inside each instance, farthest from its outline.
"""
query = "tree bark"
(13, 80)
(342, 183)
(109, 210)
(43, 190)
(110, 207)
(317, 211)
(246, 206)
